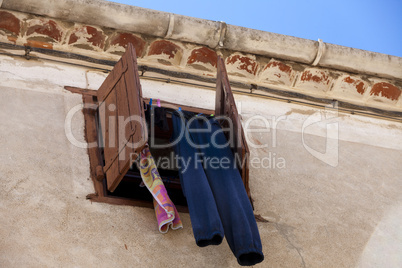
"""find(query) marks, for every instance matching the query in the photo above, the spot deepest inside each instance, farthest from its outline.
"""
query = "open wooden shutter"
(225, 106)
(122, 120)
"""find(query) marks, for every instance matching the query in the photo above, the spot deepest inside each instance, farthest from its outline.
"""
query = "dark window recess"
(130, 186)
(116, 181)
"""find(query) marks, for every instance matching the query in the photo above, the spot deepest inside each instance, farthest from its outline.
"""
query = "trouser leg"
(233, 205)
(205, 220)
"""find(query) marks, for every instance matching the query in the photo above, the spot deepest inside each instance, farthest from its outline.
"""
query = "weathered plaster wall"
(320, 216)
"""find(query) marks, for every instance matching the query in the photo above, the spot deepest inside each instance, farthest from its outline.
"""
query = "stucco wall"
(344, 215)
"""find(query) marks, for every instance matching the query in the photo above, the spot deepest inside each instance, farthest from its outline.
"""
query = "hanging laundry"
(216, 197)
(207, 226)
(165, 211)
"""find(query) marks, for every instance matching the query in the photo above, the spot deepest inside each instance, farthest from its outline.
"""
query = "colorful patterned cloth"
(165, 211)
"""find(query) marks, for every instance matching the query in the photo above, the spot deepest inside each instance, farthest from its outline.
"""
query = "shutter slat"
(111, 135)
(113, 172)
(225, 105)
(111, 80)
(121, 89)
(135, 104)
(125, 129)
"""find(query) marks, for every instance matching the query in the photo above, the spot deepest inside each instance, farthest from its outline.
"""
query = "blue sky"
(372, 25)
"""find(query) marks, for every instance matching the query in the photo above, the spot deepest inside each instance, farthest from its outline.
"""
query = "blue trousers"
(217, 200)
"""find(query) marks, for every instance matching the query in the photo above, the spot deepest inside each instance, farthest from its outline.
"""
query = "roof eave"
(213, 34)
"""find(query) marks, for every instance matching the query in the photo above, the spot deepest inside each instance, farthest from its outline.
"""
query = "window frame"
(90, 99)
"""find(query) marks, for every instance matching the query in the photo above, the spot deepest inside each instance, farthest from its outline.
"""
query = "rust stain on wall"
(246, 63)
(48, 28)
(204, 55)
(349, 80)
(96, 37)
(321, 78)
(12, 39)
(39, 44)
(360, 88)
(163, 47)
(73, 38)
(123, 39)
(9, 22)
(386, 90)
(283, 67)
(358, 85)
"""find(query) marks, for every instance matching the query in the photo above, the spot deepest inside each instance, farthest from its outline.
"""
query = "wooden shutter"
(121, 109)
(226, 106)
